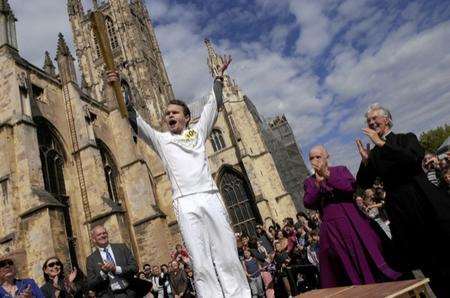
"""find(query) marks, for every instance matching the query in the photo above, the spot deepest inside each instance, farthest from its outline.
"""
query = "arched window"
(239, 202)
(217, 141)
(112, 33)
(52, 161)
(110, 170)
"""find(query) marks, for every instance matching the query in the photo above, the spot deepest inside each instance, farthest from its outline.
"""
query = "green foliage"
(432, 139)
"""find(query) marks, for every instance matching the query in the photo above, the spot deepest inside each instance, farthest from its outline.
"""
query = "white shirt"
(385, 135)
(115, 284)
(184, 155)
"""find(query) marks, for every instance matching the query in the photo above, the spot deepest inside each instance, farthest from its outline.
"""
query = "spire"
(62, 49)
(74, 7)
(4, 6)
(7, 25)
(214, 60)
(48, 64)
(65, 62)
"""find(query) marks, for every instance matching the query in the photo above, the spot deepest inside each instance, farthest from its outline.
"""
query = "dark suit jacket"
(124, 258)
(418, 211)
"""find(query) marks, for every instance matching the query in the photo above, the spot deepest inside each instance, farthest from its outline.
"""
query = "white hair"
(384, 112)
(321, 148)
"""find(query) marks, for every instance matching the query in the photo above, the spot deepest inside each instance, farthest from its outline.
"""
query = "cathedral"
(69, 161)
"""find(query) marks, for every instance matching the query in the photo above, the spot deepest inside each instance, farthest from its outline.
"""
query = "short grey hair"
(321, 148)
(98, 226)
(385, 112)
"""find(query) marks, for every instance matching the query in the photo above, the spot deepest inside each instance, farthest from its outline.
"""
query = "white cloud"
(408, 69)
(366, 54)
(315, 33)
(38, 27)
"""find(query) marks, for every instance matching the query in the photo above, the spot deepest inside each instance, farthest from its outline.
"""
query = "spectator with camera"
(181, 255)
(431, 167)
(264, 239)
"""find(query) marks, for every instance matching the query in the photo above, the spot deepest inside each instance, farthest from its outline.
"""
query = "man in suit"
(419, 213)
(111, 267)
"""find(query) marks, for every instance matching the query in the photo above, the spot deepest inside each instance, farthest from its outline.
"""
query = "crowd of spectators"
(280, 260)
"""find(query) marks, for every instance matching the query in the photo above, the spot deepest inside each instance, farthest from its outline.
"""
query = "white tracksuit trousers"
(210, 241)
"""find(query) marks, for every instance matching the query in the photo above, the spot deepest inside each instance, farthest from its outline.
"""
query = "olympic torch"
(99, 28)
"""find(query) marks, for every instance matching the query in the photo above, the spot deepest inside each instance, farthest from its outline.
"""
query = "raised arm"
(139, 126)
(215, 102)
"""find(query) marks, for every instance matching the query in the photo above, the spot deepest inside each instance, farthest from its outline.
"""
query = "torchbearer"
(201, 215)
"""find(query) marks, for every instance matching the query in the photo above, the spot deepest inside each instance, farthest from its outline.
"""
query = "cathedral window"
(52, 160)
(111, 171)
(4, 189)
(112, 33)
(239, 202)
(217, 140)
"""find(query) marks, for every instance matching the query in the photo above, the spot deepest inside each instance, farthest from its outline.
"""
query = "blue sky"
(320, 62)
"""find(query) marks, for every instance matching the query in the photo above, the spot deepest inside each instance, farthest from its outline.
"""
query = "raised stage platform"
(402, 289)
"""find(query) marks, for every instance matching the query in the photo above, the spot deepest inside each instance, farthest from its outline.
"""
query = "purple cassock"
(350, 249)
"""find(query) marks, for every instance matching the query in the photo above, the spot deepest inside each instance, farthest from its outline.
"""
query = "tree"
(432, 139)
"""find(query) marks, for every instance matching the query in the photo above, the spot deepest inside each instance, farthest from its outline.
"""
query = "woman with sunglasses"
(11, 286)
(56, 284)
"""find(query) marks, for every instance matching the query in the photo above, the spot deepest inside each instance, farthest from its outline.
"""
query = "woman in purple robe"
(350, 250)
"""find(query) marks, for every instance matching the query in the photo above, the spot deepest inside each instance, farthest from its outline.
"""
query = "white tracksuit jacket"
(201, 215)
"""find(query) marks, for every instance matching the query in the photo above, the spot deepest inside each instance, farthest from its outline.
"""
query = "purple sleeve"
(312, 193)
(341, 179)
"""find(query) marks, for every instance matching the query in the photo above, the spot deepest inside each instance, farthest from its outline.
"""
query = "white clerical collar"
(385, 135)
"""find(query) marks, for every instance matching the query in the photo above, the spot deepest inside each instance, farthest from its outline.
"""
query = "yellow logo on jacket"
(189, 135)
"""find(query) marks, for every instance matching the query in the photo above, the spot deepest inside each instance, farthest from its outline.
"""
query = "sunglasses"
(6, 263)
(53, 264)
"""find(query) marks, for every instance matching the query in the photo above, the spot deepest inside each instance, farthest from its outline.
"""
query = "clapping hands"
(363, 151)
(27, 293)
(108, 267)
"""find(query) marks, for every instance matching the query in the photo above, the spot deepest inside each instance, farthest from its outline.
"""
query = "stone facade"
(70, 161)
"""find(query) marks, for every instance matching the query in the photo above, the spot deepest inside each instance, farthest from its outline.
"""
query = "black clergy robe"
(419, 212)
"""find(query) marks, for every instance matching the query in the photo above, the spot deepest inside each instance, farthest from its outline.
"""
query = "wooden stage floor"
(406, 288)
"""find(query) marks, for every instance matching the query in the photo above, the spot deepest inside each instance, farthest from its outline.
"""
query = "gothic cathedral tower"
(135, 49)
